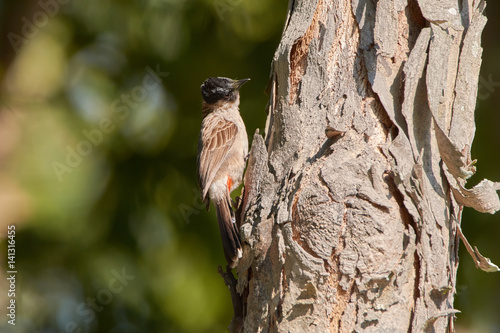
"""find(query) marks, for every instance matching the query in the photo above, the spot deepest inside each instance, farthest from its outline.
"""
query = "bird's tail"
(228, 232)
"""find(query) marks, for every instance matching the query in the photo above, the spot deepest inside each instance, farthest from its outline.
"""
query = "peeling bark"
(357, 230)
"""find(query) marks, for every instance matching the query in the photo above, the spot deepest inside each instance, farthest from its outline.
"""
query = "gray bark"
(353, 198)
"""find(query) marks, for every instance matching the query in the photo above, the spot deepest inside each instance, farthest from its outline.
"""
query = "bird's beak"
(239, 83)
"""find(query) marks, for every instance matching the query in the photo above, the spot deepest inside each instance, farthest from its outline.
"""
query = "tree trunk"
(353, 198)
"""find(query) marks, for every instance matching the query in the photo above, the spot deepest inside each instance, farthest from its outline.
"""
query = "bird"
(222, 154)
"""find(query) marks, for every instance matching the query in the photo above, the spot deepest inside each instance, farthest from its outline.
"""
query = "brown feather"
(216, 138)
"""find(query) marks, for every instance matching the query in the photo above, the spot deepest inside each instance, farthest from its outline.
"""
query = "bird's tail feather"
(228, 232)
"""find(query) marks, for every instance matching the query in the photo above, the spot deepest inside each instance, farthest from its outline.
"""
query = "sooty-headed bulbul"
(222, 152)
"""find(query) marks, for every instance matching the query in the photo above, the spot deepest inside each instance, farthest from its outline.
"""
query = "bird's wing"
(216, 139)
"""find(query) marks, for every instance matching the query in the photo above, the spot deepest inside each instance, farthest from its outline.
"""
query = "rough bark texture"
(353, 199)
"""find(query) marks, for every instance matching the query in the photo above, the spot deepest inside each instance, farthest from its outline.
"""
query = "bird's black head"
(215, 89)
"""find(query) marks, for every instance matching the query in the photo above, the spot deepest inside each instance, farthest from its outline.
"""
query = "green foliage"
(105, 155)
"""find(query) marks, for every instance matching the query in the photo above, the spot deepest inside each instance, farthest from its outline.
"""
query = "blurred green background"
(100, 110)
